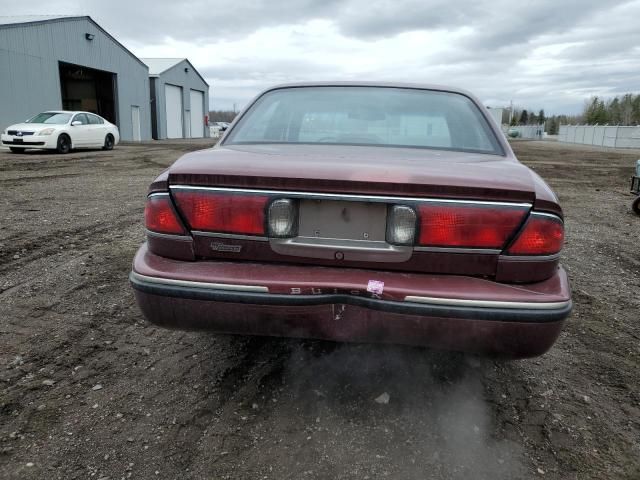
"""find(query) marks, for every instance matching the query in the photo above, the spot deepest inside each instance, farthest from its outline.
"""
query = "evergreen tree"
(541, 118)
(524, 118)
(601, 116)
(615, 111)
(590, 111)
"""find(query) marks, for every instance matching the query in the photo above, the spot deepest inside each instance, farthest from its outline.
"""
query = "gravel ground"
(88, 389)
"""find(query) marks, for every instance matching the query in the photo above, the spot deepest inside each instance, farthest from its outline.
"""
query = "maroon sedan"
(358, 212)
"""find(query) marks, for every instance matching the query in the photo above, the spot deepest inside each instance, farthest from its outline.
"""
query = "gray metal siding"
(188, 81)
(30, 77)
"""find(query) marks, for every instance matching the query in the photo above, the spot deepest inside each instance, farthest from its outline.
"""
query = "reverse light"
(224, 213)
(468, 225)
(401, 225)
(161, 217)
(543, 234)
(283, 218)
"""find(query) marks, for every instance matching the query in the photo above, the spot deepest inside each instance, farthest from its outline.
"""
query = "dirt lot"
(88, 389)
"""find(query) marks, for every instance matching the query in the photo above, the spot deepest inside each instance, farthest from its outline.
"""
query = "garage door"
(197, 114)
(173, 103)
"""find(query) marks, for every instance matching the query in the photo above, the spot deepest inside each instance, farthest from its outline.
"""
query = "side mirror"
(75, 123)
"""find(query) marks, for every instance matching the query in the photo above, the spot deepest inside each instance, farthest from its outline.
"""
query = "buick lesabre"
(360, 212)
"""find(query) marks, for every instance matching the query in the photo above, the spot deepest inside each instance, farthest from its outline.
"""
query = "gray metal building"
(179, 99)
(71, 63)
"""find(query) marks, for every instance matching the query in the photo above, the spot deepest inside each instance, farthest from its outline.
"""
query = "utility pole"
(510, 111)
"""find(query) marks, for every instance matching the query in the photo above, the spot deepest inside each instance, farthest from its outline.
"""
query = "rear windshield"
(381, 116)
(51, 118)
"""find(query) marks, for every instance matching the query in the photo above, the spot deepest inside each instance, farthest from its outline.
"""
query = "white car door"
(98, 130)
(80, 132)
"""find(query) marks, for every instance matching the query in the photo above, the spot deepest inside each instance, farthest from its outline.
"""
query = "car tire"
(16, 150)
(108, 142)
(636, 206)
(64, 144)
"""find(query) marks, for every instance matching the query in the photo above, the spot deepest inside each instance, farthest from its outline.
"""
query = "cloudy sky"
(545, 54)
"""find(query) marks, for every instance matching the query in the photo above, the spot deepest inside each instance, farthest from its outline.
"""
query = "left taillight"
(221, 212)
(161, 217)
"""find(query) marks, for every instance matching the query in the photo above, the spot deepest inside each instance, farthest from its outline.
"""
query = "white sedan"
(61, 131)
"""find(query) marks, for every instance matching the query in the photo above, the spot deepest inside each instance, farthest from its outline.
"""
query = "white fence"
(603, 136)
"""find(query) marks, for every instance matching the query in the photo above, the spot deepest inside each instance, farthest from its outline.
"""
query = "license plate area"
(340, 220)
(18, 140)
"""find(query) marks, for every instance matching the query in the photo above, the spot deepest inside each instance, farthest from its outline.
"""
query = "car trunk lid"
(358, 170)
(343, 196)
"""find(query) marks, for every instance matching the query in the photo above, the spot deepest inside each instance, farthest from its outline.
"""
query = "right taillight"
(542, 234)
(461, 225)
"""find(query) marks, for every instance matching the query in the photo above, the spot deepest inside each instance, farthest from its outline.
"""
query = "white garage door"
(197, 114)
(173, 104)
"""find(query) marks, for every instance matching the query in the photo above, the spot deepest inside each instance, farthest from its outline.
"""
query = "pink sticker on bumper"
(375, 286)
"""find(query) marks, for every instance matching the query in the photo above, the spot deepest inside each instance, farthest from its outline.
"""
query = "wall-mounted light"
(89, 36)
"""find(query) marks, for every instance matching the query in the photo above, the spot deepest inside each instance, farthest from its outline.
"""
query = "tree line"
(619, 110)
(529, 117)
(624, 110)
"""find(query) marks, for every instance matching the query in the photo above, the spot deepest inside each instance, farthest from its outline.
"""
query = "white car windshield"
(51, 118)
(355, 115)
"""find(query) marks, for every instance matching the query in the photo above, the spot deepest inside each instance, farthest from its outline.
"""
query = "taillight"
(224, 213)
(401, 225)
(467, 225)
(543, 234)
(283, 218)
(161, 217)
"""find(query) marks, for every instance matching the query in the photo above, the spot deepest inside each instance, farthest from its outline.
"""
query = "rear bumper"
(454, 313)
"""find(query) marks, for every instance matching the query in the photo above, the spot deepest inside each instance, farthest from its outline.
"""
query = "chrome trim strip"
(158, 194)
(183, 238)
(187, 283)
(530, 258)
(350, 250)
(545, 214)
(458, 302)
(230, 236)
(349, 198)
(483, 251)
